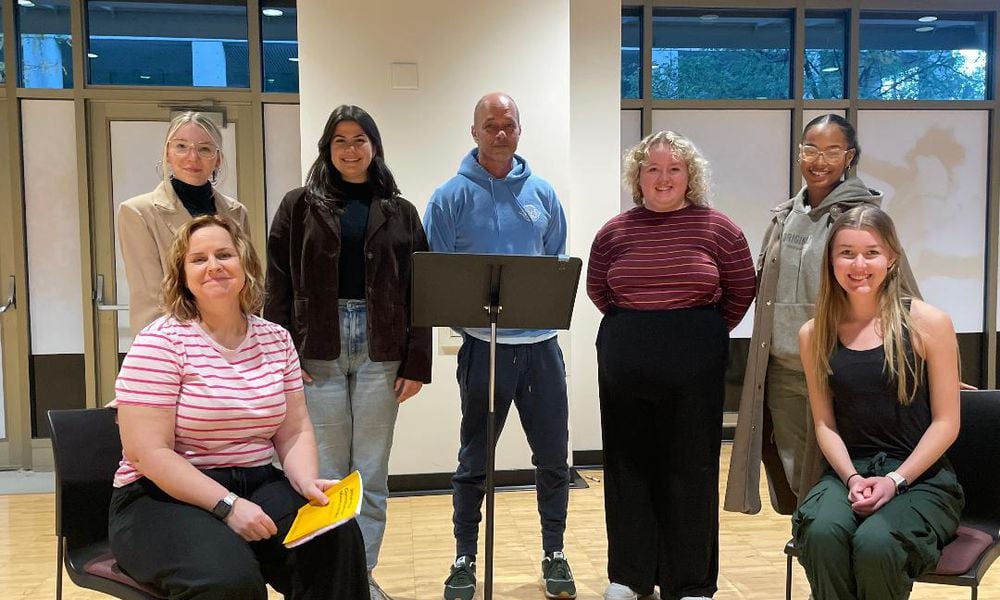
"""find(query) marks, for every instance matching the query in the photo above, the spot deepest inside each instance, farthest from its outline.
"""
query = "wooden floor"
(419, 547)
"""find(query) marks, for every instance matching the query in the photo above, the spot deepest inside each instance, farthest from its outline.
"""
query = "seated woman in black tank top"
(882, 373)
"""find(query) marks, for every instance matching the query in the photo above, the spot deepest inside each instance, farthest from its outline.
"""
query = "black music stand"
(495, 291)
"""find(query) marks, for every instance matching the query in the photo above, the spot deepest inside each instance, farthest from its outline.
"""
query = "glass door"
(126, 148)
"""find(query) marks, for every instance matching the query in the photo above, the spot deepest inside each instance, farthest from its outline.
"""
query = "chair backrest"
(86, 448)
(976, 455)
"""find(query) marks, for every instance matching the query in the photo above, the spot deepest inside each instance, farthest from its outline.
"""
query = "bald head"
(498, 100)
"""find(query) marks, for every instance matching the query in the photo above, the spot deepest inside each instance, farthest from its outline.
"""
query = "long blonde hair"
(894, 321)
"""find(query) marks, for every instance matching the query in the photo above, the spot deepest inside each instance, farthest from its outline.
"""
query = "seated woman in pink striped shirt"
(208, 395)
(672, 276)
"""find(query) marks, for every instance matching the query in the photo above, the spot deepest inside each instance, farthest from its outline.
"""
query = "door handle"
(11, 296)
(99, 297)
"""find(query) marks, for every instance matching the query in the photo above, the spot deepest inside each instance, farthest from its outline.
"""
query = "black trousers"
(661, 387)
(533, 377)
(188, 553)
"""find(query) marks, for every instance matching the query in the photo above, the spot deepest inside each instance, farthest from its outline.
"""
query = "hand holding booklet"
(313, 520)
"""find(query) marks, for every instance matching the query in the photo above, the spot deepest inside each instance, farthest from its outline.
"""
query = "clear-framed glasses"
(183, 147)
(810, 154)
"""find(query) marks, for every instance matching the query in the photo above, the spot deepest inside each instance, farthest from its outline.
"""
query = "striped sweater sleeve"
(737, 276)
(151, 372)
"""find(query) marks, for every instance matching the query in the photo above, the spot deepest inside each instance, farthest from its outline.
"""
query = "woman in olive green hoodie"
(774, 422)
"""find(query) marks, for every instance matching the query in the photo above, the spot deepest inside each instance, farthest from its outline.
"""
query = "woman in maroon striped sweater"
(672, 276)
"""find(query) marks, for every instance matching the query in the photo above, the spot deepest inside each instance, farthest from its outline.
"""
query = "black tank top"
(869, 417)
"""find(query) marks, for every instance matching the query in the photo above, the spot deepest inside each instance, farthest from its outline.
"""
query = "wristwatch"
(901, 486)
(224, 506)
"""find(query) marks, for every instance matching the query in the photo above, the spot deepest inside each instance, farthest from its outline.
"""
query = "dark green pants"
(847, 556)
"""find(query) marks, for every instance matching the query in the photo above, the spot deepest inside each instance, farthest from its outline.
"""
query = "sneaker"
(461, 584)
(557, 576)
(617, 591)
(375, 591)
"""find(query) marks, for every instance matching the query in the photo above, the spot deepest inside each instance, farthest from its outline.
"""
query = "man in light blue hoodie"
(495, 205)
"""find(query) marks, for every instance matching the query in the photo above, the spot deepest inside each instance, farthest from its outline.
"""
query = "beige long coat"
(146, 228)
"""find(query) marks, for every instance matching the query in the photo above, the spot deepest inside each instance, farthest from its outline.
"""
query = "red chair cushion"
(962, 553)
(106, 567)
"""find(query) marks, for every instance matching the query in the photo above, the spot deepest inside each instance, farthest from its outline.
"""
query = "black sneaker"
(557, 577)
(461, 584)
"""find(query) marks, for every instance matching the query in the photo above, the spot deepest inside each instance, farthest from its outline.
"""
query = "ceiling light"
(91, 55)
(830, 69)
(25, 3)
(923, 29)
(927, 19)
(709, 18)
(272, 12)
(294, 59)
(144, 77)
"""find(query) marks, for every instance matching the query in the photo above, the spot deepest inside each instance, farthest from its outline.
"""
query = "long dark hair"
(845, 126)
(326, 185)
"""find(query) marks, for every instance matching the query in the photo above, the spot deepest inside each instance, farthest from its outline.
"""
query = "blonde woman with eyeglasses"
(774, 422)
(191, 164)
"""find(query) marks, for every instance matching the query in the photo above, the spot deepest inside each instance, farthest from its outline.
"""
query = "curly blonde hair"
(698, 170)
(177, 298)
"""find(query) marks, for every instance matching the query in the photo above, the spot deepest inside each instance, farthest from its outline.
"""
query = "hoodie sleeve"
(555, 234)
(439, 223)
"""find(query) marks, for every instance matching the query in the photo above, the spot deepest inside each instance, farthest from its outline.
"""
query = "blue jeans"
(533, 377)
(352, 405)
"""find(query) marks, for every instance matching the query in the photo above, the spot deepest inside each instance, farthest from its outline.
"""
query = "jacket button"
(768, 303)
(371, 290)
(763, 344)
(370, 256)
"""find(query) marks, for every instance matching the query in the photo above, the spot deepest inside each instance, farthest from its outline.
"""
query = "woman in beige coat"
(774, 425)
(192, 160)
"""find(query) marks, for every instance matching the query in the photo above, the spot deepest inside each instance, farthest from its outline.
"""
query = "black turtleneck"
(197, 199)
(353, 225)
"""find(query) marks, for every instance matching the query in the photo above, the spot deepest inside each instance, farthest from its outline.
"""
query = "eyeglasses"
(184, 147)
(810, 154)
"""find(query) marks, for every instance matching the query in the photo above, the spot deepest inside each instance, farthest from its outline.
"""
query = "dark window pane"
(281, 46)
(721, 54)
(199, 44)
(3, 63)
(923, 56)
(631, 53)
(825, 66)
(44, 44)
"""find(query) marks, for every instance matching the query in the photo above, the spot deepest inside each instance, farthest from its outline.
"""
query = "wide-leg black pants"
(189, 554)
(661, 388)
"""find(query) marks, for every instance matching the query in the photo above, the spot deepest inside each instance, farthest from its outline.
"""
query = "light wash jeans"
(352, 405)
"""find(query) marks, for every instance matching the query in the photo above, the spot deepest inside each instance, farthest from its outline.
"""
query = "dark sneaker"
(557, 576)
(461, 584)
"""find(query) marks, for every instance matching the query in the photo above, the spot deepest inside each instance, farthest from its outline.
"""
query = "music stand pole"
(494, 309)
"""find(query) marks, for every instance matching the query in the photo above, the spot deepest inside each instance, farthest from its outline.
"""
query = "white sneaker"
(617, 591)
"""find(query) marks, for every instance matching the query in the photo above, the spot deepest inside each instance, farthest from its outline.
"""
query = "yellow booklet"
(345, 504)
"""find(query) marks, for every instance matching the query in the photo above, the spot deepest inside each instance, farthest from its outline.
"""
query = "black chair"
(976, 458)
(86, 448)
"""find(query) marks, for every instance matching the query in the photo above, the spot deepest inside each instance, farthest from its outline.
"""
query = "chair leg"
(60, 549)
(975, 592)
(788, 579)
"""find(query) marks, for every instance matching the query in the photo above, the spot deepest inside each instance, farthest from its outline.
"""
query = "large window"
(700, 54)
(631, 53)
(923, 56)
(45, 52)
(199, 44)
(825, 64)
(280, 46)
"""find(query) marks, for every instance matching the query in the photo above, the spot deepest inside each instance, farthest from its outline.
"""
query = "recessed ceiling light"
(91, 55)
(923, 29)
(270, 80)
(144, 77)
(709, 17)
(272, 12)
(25, 3)
(294, 59)
(927, 19)
(830, 69)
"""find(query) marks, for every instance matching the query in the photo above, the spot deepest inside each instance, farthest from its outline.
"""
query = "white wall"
(559, 60)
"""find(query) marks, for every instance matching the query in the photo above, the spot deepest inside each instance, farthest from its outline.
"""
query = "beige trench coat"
(753, 442)
(146, 228)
